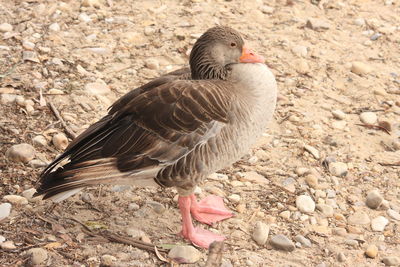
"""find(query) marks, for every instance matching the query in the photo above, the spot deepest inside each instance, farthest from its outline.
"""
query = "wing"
(144, 131)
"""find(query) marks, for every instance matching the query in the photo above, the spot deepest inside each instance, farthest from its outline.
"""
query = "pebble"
(301, 66)
(8, 98)
(281, 242)
(304, 241)
(37, 163)
(6, 27)
(97, 88)
(235, 198)
(359, 21)
(152, 64)
(312, 150)
(305, 203)
(37, 256)
(371, 251)
(133, 206)
(8, 245)
(84, 18)
(391, 261)
(15, 199)
(285, 214)
(21, 153)
(28, 193)
(5, 210)
(267, 9)
(368, 117)
(184, 254)
(60, 141)
(54, 27)
(326, 210)
(341, 257)
(358, 218)
(351, 242)
(30, 56)
(108, 260)
(379, 223)
(338, 169)
(134, 232)
(91, 3)
(2, 239)
(317, 24)
(260, 233)
(360, 68)
(157, 207)
(312, 181)
(338, 114)
(374, 199)
(299, 50)
(28, 45)
(393, 214)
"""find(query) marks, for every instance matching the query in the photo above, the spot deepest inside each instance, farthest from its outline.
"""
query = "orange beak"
(248, 56)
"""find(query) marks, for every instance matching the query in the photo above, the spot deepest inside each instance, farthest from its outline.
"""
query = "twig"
(71, 134)
(389, 164)
(215, 254)
(371, 126)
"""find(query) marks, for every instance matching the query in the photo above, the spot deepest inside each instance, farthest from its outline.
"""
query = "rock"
(379, 223)
(341, 257)
(359, 21)
(60, 141)
(97, 88)
(391, 261)
(340, 125)
(368, 117)
(358, 218)
(338, 114)
(15, 199)
(8, 245)
(54, 27)
(37, 256)
(374, 199)
(235, 198)
(91, 3)
(299, 50)
(267, 9)
(281, 242)
(371, 251)
(393, 214)
(285, 214)
(28, 194)
(260, 233)
(360, 68)
(21, 153)
(326, 210)
(30, 56)
(2, 239)
(133, 206)
(305, 203)
(312, 181)
(5, 210)
(28, 45)
(84, 18)
(134, 232)
(37, 163)
(8, 98)
(317, 24)
(338, 169)
(6, 27)
(152, 64)
(157, 207)
(184, 254)
(301, 66)
(300, 171)
(312, 150)
(108, 260)
(351, 242)
(302, 240)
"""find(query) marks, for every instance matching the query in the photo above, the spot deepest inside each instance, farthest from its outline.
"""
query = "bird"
(176, 130)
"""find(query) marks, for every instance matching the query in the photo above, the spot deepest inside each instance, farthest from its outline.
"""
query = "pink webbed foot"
(209, 210)
(202, 238)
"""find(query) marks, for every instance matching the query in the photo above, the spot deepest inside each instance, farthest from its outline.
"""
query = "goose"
(176, 130)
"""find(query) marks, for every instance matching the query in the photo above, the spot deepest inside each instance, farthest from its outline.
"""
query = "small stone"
(28, 45)
(338, 169)
(28, 194)
(371, 251)
(37, 256)
(351, 242)
(368, 117)
(8, 245)
(54, 27)
(5, 210)
(15, 199)
(84, 18)
(312, 181)
(374, 199)
(304, 241)
(379, 223)
(184, 254)
(152, 64)
(391, 261)
(134, 232)
(37, 163)
(281, 242)
(341, 257)
(260, 233)
(299, 50)
(97, 88)
(157, 207)
(21, 153)
(393, 214)
(8, 98)
(235, 198)
(340, 125)
(133, 206)
(301, 66)
(285, 214)
(305, 203)
(312, 150)
(108, 260)
(39, 140)
(359, 21)
(300, 171)
(360, 68)
(326, 210)
(338, 114)
(2, 239)
(91, 3)
(267, 9)
(60, 141)
(6, 27)
(358, 218)
(317, 24)
(30, 56)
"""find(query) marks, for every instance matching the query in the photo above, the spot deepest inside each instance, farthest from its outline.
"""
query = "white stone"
(152, 64)
(299, 50)
(368, 117)
(54, 27)
(305, 203)
(97, 88)
(37, 255)
(184, 254)
(8, 245)
(6, 27)
(5, 210)
(39, 140)
(317, 24)
(340, 125)
(28, 45)
(393, 214)
(21, 153)
(379, 223)
(108, 260)
(313, 151)
(338, 114)
(235, 198)
(15, 199)
(260, 233)
(60, 141)
(360, 68)
(84, 18)
(359, 21)
(338, 168)
(28, 193)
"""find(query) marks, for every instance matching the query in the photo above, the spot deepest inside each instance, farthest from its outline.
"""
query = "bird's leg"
(196, 235)
(209, 210)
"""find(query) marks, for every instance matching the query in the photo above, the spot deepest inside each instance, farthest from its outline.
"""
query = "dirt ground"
(333, 60)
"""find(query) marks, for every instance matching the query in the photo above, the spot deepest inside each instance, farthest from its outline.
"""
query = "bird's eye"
(233, 44)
